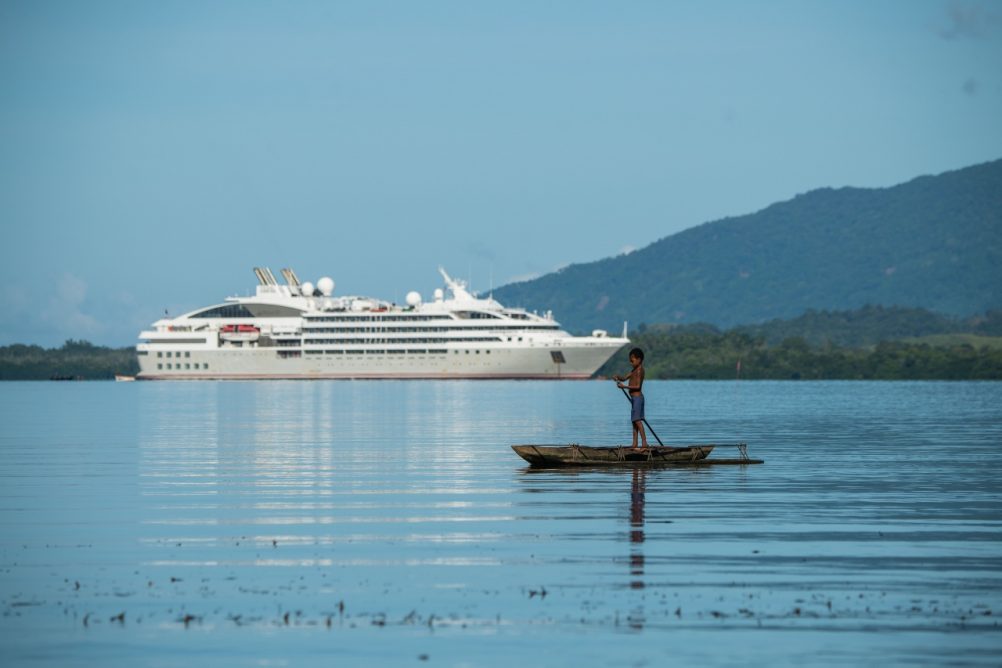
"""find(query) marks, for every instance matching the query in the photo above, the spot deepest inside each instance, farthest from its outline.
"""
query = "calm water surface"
(389, 523)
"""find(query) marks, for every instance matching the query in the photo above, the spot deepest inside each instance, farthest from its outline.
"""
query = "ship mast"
(457, 286)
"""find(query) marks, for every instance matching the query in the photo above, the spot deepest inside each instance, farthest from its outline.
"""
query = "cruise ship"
(301, 330)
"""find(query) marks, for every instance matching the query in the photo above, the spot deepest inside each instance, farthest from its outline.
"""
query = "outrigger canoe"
(583, 455)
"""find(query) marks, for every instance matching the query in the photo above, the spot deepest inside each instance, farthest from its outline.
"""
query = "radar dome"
(413, 298)
(307, 289)
(326, 286)
(439, 295)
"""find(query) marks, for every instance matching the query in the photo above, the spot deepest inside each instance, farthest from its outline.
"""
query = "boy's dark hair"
(638, 353)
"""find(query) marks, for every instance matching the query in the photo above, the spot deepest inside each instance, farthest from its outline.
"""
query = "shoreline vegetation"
(730, 355)
(871, 343)
(74, 360)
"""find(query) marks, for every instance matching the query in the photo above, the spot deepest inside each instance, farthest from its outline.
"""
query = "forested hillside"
(934, 242)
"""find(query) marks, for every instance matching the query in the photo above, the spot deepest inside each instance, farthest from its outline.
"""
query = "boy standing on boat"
(635, 384)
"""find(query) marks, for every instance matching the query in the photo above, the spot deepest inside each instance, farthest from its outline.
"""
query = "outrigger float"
(547, 456)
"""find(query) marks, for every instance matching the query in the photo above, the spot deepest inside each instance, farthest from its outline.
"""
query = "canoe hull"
(582, 455)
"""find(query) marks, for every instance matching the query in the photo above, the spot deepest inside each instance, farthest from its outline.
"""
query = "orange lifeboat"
(243, 333)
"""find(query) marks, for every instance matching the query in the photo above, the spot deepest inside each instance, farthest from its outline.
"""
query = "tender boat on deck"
(239, 333)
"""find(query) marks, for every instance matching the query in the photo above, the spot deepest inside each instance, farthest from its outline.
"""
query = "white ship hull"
(581, 362)
(463, 337)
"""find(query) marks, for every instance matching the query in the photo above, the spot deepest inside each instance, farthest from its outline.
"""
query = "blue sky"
(152, 153)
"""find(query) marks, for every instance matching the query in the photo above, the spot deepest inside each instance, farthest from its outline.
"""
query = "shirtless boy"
(634, 385)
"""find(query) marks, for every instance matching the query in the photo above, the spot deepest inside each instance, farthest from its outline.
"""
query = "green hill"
(933, 243)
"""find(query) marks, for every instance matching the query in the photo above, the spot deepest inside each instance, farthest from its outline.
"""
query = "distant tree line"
(870, 325)
(75, 360)
(705, 352)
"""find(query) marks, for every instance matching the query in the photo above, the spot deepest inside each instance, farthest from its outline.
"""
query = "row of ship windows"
(378, 318)
(405, 341)
(297, 342)
(460, 315)
(350, 330)
(169, 354)
(171, 366)
(432, 351)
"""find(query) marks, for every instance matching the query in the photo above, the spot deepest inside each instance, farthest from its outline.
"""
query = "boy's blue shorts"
(637, 409)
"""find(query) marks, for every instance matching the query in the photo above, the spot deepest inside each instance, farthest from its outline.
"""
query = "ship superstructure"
(301, 330)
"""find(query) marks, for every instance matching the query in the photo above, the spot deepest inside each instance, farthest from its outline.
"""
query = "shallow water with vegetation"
(389, 523)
